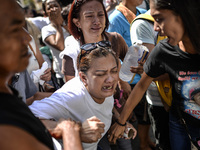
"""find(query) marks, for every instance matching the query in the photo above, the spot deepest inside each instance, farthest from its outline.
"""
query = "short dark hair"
(75, 13)
(189, 11)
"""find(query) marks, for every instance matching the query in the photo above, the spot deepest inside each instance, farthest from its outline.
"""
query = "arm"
(133, 99)
(91, 129)
(68, 68)
(70, 132)
(56, 40)
(37, 96)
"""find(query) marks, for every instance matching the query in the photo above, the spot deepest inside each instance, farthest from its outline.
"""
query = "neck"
(187, 46)
(93, 39)
(130, 6)
(97, 100)
(4, 88)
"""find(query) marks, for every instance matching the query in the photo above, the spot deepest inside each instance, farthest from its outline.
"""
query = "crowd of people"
(60, 85)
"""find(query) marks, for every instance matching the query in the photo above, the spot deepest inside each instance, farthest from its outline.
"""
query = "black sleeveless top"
(13, 111)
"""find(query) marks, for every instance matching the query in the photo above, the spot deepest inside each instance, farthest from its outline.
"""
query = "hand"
(47, 75)
(67, 127)
(116, 131)
(138, 69)
(69, 130)
(91, 130)
(128, 125)
(55, 17)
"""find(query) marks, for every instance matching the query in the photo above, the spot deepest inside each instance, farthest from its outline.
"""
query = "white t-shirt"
(143, 30)
(72, 49)
(57, 62)
(73, 101)
(40, 22)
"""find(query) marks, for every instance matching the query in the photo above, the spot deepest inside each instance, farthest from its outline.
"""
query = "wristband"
(117, 121)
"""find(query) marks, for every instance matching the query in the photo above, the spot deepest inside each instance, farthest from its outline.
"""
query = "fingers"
(135, 133)
(112, 138)
(91, 130)
(138, 69)
(47, 71)
(115, 132)
(94, 118)
(47, 75)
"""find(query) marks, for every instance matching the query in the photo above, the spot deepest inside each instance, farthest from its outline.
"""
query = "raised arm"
(56, 40)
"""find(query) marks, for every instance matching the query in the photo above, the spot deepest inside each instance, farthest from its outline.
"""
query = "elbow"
(59, 47)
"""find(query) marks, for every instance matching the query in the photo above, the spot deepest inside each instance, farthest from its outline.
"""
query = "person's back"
(121, 18)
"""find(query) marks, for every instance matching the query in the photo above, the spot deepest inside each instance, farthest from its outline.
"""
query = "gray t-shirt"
(24, 85)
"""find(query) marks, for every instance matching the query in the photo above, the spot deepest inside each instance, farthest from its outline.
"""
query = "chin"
(109, 94)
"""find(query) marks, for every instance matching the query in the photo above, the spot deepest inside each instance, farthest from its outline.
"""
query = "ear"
(83, 78)
(76, 22)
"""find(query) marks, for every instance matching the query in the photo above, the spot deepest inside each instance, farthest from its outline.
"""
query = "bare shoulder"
(15, 138)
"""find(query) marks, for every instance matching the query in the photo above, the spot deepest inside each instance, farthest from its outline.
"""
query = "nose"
(110, 78)
(156, 27)
(96, 20)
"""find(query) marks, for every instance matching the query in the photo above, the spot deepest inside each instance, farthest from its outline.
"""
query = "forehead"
(104, 63)
(11, 14)
(92, 6)
(51, 2)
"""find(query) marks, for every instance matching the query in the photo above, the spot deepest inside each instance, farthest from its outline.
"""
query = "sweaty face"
(101, 79)
(92, 19)
(14, 55)
(169, 24)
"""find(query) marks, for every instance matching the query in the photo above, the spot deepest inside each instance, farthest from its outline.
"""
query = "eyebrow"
(156, 15)
(106, 70)
(90, 12)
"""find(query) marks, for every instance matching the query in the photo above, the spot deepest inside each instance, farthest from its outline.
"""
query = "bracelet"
(117, 121)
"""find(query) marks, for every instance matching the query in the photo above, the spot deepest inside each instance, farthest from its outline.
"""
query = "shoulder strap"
(145, 17)
(128, 14)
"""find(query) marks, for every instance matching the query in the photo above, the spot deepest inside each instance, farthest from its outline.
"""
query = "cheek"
(84, 25)
(96, 84)
(11, 64)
